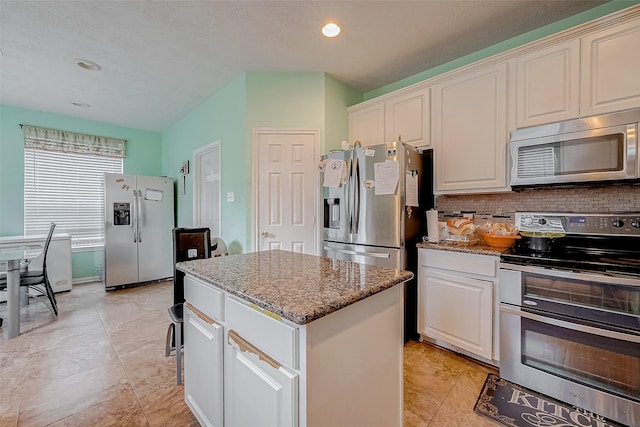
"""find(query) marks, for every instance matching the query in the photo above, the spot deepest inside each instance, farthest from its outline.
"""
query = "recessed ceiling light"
(331, 29)
(88, 65)
(80, 104)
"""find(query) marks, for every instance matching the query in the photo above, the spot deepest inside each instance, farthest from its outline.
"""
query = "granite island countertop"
(301, 288)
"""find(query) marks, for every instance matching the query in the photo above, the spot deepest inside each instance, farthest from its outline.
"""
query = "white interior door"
(206, 192)
(286, 189)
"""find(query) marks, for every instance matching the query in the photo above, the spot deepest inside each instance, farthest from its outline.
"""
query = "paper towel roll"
(432, 225)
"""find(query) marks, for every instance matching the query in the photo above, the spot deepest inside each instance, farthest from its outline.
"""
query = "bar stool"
(188, 244)
(175, 328)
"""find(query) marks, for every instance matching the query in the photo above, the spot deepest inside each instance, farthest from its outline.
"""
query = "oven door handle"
(568, 274)
(570, 325)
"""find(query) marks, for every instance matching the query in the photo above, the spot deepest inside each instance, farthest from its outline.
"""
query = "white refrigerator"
(139, 217)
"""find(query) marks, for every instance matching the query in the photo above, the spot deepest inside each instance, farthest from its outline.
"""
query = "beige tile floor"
(102, 363)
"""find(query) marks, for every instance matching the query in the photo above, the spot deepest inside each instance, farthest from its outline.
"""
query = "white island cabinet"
(278, 338)
(203, 364)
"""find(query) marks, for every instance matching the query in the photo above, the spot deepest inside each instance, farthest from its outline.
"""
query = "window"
(65, 187)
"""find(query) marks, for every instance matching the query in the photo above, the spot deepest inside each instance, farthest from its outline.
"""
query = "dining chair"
(38, 280)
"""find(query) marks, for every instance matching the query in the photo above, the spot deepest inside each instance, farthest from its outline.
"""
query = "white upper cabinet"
(547, 85)
(469, 115)
(611, 69)
(407, 116)
(367, 125)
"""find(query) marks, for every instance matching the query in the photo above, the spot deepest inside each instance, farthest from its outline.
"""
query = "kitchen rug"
(515, 406)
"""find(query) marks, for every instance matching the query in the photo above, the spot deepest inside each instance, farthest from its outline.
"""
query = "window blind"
(66, 188)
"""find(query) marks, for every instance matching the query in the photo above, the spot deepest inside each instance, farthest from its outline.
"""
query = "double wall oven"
(570, 311)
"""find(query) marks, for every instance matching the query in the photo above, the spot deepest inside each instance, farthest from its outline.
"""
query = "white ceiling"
(161, 59)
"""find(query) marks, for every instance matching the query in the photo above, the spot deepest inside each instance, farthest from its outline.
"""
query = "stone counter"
(301, 288)
(472, 249)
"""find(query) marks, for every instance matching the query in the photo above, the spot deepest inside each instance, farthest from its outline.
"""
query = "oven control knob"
(635, 223)
(542, 221)
(617, 223)
(527, 220)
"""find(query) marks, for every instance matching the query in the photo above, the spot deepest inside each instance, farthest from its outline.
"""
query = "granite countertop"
(298, 287)
(472, 249)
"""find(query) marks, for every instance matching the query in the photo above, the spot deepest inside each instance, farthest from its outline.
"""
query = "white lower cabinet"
(458, 311)
(457, 297)
(259, 391)
(203, 366)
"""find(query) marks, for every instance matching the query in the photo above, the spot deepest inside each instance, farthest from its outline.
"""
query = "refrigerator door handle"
(134, 217)
(347, 195)
(348, 252)
(356, 195)
(139, 220)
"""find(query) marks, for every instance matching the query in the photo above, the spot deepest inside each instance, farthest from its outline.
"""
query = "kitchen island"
(278, 338)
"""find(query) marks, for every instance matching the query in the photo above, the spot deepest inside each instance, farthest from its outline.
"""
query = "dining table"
(14, 256)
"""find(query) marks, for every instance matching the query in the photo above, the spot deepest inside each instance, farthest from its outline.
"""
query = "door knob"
(265, 234)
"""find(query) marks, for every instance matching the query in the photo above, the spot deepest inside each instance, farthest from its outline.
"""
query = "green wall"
(143, 158)
(547, 30)
(252, 100)
(338, 96)
(221, 117)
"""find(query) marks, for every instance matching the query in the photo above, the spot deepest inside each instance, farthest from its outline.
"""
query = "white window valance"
(72, 142)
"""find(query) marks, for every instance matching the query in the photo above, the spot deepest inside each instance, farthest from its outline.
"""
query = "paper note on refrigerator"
(333, 173)
(386, 175)
(411, 188)
(153, 195)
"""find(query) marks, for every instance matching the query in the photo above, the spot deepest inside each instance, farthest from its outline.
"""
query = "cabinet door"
(457, 310)
(470, 132)
(611, 69)
(203, 367)
(547, 85)
(367, 125)
(258, 390)
(407, 116)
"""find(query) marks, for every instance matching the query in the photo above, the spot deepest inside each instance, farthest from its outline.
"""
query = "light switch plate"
(230, 196)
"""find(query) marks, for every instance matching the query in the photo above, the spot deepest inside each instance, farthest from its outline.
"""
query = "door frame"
(255, 167)
(197, 174)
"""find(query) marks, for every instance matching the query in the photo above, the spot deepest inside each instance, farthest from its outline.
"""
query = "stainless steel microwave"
(597, 148)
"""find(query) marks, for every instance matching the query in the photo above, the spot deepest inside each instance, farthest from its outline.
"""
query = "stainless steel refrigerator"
(139, 217)
(375, 201)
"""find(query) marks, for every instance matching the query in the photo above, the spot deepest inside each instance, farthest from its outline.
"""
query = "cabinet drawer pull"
(201, 315)
(266, 312)
(245, 345)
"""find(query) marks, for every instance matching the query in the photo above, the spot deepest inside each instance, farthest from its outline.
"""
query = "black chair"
(188, 244)
(38, 280)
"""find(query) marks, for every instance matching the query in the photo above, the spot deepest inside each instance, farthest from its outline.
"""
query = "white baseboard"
(88, 279)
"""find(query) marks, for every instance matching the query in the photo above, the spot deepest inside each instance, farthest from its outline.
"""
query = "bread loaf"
(461, 226)
(502, 229)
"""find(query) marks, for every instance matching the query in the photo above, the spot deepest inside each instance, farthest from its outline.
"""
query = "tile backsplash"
(598, 198)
